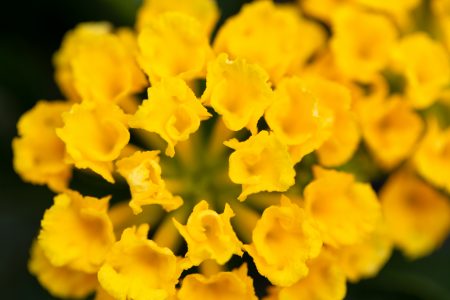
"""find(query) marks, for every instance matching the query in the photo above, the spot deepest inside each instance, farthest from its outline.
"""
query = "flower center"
(200, 171)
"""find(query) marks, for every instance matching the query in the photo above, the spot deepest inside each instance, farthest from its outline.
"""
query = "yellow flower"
(62, 281)
(390, 128)
(209, 235)
(172, 111)
(94, 134)
(137, 268)
(93, 64)
(261, 163)
(273, 36)
(284, 239)
(221, 286)
(298, 118)
(345, 136)
(418, 217)
(238, 91)
(366, 258)
(38, 153)
(205, 11)
(143, 174)
(346, 211)
(426, 67)
(325, 281)
(432, 158)
(361, 42)
(77, 232)
(173, 44)
(280, 91)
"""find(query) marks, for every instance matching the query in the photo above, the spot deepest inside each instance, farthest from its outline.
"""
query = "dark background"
(30, 32)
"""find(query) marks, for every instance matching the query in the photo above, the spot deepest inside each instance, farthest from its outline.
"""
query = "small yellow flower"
(238, 91)
(222, 286)
(143, 174)
(172, 111)
(62, 282)
(38, 153)
(345, 136)
(391, 129)
(361, 42)
(271, 35)
(94, 135)
(137, 268)
(432, 158)
(77, 232)
(284, 239)
(261, 163)
(426, 67)
(165, 42)
(205, 11)
(418, 217)
(346, 211)
(209, 235)
(366, 258)
(298, 118)
(325, 281)
(93, 64)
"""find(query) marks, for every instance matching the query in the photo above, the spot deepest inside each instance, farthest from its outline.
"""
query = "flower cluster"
(259, 146)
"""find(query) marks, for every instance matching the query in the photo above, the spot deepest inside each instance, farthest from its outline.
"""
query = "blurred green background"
(30, 32)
